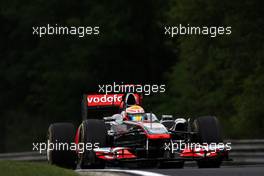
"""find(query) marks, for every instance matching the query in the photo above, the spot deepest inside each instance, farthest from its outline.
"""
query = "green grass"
(17, 168)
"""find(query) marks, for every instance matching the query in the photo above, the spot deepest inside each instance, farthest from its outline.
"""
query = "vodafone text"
(104, 99)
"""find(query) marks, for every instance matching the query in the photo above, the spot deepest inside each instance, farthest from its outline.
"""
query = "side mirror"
(118, 118)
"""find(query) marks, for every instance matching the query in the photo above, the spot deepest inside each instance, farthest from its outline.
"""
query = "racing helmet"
(134, 113)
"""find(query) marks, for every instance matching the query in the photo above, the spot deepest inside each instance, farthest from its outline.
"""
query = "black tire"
(59, 133)
(84, 108)
(93, 131)
(208, 131)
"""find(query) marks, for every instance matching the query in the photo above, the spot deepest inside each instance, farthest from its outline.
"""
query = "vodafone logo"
(104, 100)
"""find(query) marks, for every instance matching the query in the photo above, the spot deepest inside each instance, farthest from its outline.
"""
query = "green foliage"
(220, 76)
(42, 79)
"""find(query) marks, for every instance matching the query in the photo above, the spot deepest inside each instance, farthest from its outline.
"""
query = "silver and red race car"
(116, 131)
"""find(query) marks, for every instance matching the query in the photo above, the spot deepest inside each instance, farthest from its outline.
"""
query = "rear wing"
(103, 105)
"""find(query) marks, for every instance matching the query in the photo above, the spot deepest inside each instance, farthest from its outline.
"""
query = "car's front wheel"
(60, 138)
(93, 132)
(208, 131)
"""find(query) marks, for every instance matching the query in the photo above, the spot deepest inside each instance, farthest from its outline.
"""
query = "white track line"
(136, 172)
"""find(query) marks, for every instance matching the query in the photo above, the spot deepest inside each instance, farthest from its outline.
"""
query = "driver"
(134, 113)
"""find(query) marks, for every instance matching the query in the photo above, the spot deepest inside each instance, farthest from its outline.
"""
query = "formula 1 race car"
(117, 131)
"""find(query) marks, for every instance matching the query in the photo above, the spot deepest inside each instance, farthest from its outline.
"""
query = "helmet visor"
(136, 117)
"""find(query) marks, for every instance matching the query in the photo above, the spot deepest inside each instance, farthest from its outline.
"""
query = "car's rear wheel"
(93, 132)
(60, 138)
(208, 131)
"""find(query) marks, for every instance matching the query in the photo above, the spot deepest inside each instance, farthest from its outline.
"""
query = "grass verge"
(19, 168)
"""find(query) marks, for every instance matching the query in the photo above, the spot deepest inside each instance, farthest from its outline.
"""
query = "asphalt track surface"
(246, 170)
(254, 170)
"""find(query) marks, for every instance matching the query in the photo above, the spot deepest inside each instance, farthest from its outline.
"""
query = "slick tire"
(93, 131)
(61, 133)
(208, 131)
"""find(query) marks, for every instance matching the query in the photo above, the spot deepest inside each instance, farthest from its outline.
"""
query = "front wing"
(127, 154)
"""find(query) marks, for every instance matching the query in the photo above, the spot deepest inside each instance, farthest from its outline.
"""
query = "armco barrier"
(247, 151)
(24, 156)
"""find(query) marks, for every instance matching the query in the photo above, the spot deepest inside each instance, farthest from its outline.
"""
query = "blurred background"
(43, 79)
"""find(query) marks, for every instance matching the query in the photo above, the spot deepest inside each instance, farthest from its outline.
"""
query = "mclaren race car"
(117, 131)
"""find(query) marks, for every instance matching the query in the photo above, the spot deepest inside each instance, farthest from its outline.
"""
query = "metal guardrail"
(245, 151)
(24, 156)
